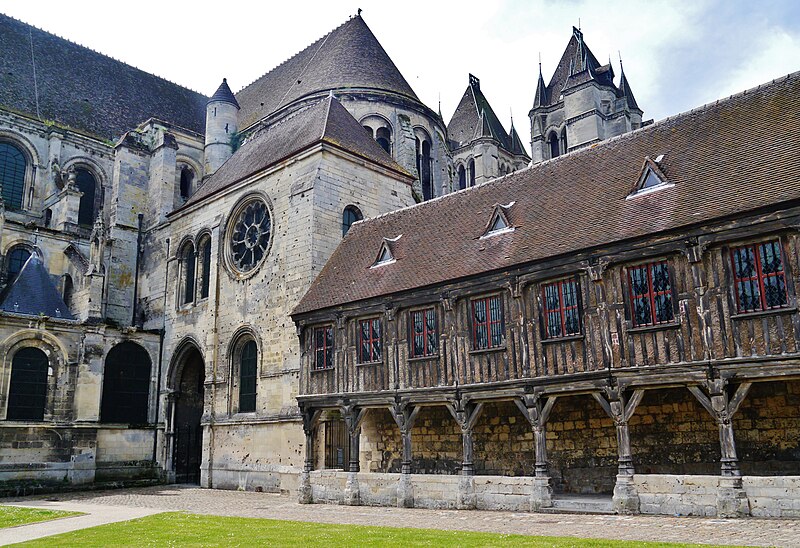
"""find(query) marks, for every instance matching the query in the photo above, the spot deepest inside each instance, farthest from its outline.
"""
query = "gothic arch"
(31, 158)
(237, 346)
(178, 361)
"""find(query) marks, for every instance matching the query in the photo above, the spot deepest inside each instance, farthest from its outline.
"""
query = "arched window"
(186, 180)
(425, 174)
(68, 291)
(384, 138)
(86, 183)
(248, 364)
(27, 393)
(350, 215)
(15, 260)
(12, 175)
(126, 385)
(564, 148)
(462, 178)
(471, 169)
(205, 266)
(369, 130)
(554, 146)
(187, 273)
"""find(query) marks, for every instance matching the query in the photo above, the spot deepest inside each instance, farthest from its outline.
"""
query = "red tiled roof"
(733, 156)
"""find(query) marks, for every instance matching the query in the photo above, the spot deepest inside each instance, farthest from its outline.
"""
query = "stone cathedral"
(234, 290)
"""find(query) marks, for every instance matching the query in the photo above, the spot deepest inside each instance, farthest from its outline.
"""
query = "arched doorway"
(188, 413)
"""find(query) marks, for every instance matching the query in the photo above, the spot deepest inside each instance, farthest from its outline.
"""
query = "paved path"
(751, 531)
(96, 514)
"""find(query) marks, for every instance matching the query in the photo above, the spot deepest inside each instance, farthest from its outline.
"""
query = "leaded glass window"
(16, 259)
(760, 277)
(250, 236)
(205, 267)
(562, 314)
(424, 338)
(350, 215)
(369, 341)
(651, 294)
(248, 363)
(86, 183)
(487, 323)
(27, 393)
(126, 385)
(323, 347)
(12, 175)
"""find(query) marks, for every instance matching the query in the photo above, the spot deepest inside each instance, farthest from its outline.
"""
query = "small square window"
(424, 336)
(562, 311)
(369, 341)
(760, 277)
(651, 294)
(323, 347)
(487, 323)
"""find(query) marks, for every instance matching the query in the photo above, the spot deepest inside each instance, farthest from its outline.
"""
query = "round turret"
(221, 126)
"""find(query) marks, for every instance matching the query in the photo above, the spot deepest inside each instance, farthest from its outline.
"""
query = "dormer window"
(498, 222)
(651, 178)
(385, 255)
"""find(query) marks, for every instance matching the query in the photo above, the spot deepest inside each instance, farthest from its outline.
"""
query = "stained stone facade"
(160, 318)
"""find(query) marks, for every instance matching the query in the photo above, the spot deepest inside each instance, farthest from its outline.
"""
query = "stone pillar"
(537, 415)
(731, 497)
(466, 415)
(169, 434)
(353, 416)
(626, 497)
(404, 415)
(310, 420)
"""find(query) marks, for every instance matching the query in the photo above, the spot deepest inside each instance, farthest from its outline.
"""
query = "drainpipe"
(160, 353)
(136, 271)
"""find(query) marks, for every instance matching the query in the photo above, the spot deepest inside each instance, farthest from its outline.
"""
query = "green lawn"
(180, 529)
(11, 516)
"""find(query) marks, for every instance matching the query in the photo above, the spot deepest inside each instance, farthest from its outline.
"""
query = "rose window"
(250, 236)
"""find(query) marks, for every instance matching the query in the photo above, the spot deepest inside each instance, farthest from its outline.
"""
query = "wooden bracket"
(536, 413)
(404, 415)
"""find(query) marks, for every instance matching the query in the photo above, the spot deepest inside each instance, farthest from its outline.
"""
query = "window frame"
(27, 168)
(328, 350)
(240, 357)
(487, 300)
(759, 276)
(651, 294)
(374, 357)
(19, 387)
(203, 289)
(562, 309)
(426, 331)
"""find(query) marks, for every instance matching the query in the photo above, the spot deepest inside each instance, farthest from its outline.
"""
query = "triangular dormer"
(650, 178)
(498, 222)
(385, 254)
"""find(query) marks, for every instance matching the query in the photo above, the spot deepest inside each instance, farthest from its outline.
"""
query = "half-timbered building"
(619, 320)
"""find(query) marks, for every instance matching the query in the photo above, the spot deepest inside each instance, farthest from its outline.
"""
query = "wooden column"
(405, 415)
(731, 498)
(310, 421)
(537, 415)
(466, 415)
(626, 497)
(353, 417)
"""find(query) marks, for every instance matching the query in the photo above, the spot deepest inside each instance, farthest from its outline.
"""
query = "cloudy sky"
(677, 54)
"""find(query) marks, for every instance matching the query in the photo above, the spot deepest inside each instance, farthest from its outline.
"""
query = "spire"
(517, 149)
(541, 98)
(625, 88)
(224, 94)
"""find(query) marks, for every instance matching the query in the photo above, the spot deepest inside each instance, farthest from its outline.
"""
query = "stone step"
(580, 505)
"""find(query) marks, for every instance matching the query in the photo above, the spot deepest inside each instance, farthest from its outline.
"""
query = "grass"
(11, 516)
(181, 529)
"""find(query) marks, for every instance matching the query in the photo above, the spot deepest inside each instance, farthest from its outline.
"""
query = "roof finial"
(540, 63)
(579, 23)
(359, 12)
(620, 59)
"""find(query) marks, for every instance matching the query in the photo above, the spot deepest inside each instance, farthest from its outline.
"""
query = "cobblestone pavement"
(762, 532)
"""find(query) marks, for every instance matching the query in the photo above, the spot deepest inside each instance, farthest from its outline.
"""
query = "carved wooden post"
(595, 272)
(731, 498)
(405, 415)
(466, 415)
(537, 415)
(694, 253)
(353, 416)
(310, 421)
(626, 497)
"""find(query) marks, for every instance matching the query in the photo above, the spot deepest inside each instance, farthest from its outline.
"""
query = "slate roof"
(33, 293)
(347, 57)
(224, 94)
(475, 118)
(325, 121)
(86, 90)
(627, 92)
(726, 158)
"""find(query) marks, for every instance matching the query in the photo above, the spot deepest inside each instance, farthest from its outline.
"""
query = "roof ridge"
(279, 65)
(604, 143)
(102, 54)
